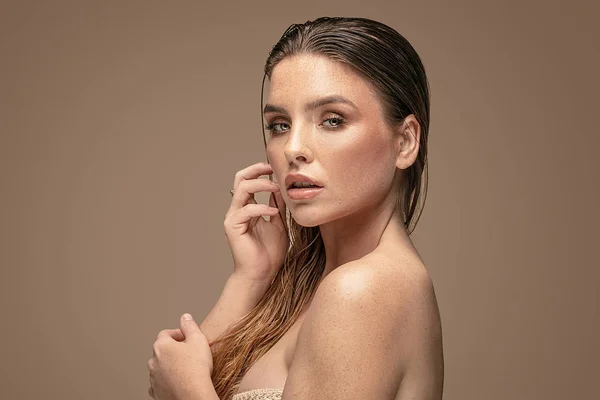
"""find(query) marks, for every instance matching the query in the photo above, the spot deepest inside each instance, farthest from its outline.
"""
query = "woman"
(335, 300)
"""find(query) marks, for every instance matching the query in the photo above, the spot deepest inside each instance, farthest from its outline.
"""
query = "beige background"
(122, 124)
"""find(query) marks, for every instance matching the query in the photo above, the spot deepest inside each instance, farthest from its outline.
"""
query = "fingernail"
(187, 316)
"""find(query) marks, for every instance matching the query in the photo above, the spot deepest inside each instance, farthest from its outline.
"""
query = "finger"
(190, 328)
(276, 201)
(151, 392)
(238, 220)
(155, 350)
(176, 334)
(251, 172)
(245, 193)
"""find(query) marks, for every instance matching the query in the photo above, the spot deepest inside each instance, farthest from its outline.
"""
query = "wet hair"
(386, 60)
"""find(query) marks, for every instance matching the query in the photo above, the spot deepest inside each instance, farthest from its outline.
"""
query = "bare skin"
(373, 328)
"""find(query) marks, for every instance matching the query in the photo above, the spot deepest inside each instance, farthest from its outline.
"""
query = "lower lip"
(305, 193)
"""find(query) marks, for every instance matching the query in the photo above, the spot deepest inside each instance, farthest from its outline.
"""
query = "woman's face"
(345, 144)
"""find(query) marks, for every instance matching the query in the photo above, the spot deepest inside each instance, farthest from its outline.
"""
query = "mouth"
(300, 181)
(294, 186)
(303, 193)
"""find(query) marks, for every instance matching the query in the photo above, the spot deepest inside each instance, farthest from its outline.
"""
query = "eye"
(276, 127)
(335, 122)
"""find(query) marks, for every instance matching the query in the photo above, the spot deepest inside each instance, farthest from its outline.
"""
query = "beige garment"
(259, 394)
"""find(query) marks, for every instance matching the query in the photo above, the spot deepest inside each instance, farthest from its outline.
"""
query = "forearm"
(238, 298)
(203, 390)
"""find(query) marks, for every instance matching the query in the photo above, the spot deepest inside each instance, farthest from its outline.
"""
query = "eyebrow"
(312, 105)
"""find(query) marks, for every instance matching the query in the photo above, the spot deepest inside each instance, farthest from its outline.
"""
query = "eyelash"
(270, 126)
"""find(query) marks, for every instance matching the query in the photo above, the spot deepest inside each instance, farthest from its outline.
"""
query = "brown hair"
(389, 62)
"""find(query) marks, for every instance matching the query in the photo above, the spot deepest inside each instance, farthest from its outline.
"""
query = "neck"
(353, 237)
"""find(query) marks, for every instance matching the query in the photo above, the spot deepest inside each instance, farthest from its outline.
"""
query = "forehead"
(304, 77)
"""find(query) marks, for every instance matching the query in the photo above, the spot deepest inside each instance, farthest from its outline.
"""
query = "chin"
(307, 219)
(308, 222)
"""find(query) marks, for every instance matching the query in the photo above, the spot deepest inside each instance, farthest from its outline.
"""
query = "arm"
(238, 298)
(204, 391)
(368, 334)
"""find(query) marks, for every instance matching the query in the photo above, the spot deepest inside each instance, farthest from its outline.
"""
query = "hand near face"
(181, 357)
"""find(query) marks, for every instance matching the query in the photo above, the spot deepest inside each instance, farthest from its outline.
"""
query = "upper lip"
(291, 178)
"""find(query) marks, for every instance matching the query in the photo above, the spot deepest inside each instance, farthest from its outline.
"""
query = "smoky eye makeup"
(330, 121)
(333, 121)
(270, 127)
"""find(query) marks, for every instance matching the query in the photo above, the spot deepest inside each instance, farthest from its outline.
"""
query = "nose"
(297, 146)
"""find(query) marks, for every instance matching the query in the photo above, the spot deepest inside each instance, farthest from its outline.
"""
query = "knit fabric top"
(259, 394)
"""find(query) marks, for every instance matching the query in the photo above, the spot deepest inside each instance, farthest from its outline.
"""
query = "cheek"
(368, 155)
(364, 170)
(277, 160)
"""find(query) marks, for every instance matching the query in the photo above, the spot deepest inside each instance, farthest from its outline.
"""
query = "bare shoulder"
(397, 289)
(371, 329)
(379, 276)
(405, 284)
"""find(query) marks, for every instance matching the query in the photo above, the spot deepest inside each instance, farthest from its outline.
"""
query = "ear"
(407, 139)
